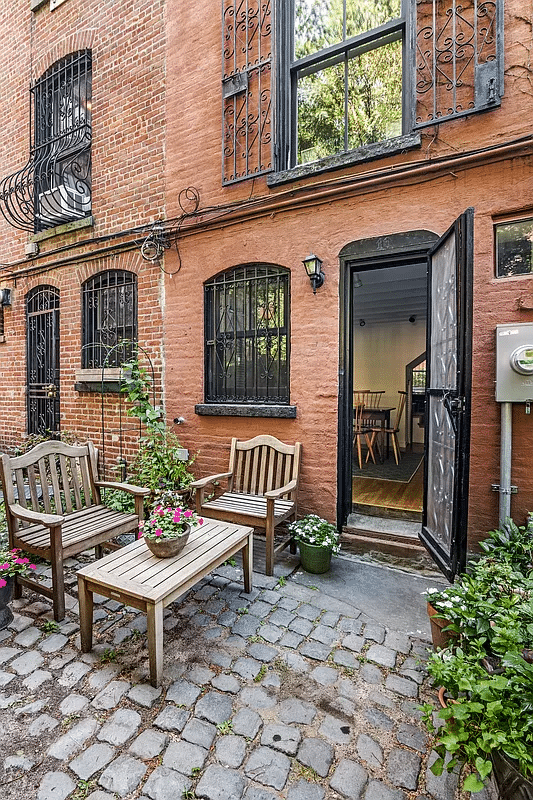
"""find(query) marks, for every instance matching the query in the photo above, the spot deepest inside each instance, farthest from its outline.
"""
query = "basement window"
(513, 248)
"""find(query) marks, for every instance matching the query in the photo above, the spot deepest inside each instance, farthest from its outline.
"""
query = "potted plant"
(167, 530)
(12, 562)
(488, 671)
(317, 540)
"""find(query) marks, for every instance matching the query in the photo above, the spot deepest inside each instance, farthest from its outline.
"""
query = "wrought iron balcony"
(54, 186)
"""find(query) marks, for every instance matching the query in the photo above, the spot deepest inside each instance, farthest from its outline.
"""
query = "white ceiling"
(391, 295)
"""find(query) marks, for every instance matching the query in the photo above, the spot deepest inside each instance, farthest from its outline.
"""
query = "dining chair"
(394, 430)
(361, 428)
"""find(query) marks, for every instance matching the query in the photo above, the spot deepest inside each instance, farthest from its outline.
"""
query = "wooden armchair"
(262, 480)
(54, 509)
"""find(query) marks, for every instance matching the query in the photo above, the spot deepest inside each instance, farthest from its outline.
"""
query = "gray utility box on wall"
(514, 363)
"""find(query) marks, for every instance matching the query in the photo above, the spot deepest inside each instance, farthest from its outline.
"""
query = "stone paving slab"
(286, 693)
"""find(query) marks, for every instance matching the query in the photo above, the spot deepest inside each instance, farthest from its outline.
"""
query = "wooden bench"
(132, 575)
(54, 509)
(263, 480)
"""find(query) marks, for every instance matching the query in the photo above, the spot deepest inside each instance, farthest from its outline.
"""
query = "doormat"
(389, 470)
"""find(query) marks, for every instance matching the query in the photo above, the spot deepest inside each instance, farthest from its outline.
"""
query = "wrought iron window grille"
(109, 319)
(247, 339)
(458, 58)
(246, 88)
(54, 186)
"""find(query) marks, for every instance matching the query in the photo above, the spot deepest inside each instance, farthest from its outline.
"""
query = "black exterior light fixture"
(313, 267)
(5, 297)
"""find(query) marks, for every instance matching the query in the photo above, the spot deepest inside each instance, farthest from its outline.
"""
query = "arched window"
(62, 145)
(109, 317)
(247, 335)
(54, 186)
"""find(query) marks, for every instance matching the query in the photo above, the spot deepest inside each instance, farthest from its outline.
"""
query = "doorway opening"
(389, 312)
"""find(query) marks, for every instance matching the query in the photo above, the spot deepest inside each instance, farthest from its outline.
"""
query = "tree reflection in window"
(513, 248)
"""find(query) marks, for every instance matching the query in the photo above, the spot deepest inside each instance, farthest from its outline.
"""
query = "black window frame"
(422, 77)
(221, 387)
(103, 344)
(290, 69)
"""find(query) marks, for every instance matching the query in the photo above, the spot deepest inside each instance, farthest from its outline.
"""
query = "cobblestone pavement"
(282, 693)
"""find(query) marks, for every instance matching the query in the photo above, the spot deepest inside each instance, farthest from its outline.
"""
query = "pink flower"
(5, 566)
(22, 561)
(3, 583)
(177, 515)
(187, 514)
(200, 521)
(32, 566)
(158, 532)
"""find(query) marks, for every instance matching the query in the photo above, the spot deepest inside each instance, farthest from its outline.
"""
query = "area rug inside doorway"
(389, 470)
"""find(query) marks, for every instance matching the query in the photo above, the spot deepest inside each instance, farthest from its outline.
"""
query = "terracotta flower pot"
(167, 548)
(440, 637)
(314, 559)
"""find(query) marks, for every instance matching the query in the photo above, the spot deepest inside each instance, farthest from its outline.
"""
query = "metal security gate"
(449, 338)
(42, 360)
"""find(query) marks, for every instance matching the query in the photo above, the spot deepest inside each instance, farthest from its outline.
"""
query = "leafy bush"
(487, 671)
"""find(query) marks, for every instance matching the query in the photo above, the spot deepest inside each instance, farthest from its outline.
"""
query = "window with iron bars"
(62, 142)
(305, 81)
(54, 186)
(247, 335)
(109, 319)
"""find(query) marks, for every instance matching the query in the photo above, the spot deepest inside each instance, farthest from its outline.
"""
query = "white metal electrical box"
(514, 363)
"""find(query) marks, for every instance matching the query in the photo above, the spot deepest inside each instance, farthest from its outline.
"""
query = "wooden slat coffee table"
(132, 575)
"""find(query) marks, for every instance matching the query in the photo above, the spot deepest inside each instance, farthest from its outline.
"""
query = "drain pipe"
(506, 448)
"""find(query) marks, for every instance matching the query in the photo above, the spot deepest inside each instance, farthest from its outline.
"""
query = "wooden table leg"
(248, 562)
(85, 600)
(154, 619)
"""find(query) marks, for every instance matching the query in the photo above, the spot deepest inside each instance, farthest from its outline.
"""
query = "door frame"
(376, 253)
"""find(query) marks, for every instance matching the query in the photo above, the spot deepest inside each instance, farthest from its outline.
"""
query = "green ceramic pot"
(314, 559)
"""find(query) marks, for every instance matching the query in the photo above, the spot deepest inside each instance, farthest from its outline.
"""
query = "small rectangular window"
(513, 248)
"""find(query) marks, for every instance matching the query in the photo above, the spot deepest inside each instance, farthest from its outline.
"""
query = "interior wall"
(382, 350)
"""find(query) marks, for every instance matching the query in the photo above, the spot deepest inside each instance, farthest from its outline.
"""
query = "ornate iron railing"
(54, 186)
(458, 58)
(42, 360)
(246, 88)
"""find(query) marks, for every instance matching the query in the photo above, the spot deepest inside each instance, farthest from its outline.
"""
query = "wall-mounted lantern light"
(5, 297)
(313, 267)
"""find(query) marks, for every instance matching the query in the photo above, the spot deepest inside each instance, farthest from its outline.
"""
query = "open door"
(449, 348)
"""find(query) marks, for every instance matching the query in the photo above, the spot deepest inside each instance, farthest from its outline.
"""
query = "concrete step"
(366, 542)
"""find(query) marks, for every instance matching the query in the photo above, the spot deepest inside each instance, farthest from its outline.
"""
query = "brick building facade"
(195, 123)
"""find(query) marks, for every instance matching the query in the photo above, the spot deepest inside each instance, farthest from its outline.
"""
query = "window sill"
(92, 380)
(75, 225)
(369, 152)
(237, 410)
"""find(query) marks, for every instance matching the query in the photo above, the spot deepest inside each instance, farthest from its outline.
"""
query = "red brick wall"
(299, 218)
(127, 40)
